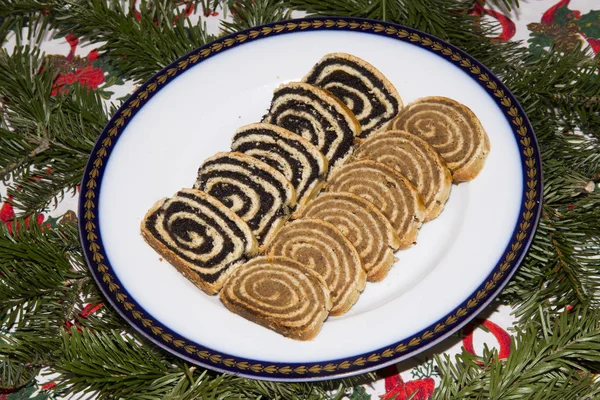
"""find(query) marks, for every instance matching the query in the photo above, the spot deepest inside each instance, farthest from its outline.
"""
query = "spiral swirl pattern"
(416, 160)
(317, 116)
(199, 236)
(363, 224)
(320, 246)
(295, 157)
(255, 191)
(366, 92)
(388, 190)
(280, 294)
(452, 129)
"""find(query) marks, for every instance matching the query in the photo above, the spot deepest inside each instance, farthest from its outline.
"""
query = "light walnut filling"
(445, 124)
(322, 247)
(279, 293)
(367, 229)
(415, 159)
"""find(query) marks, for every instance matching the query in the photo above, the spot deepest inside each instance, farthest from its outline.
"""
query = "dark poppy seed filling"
(364, 90)
(292, 155)
(290, 162)
(252, 189)
(316, 116)
(198, 235)
(181, 229)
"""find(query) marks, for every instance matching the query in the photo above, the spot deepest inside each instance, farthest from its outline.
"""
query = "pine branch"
(40, 282)
(114, 364)
(569, 87)
(48, 138)
(561, 268)
(447, 20)
(429, 15)
(558, 91)
(249, 13)
(14, 375)
(23, 7)
(136, 49)
(555, 354)
(15, 15)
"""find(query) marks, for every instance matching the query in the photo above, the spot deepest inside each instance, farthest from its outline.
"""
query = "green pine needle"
(249, 13)
(137, 50)
(550, 359)
(46, 141)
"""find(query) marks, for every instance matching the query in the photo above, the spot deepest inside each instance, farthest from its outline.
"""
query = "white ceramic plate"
(190, 110)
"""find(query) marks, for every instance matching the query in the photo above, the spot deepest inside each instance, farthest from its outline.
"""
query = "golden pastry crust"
(195, 271)
(452, 129)
(280, 294)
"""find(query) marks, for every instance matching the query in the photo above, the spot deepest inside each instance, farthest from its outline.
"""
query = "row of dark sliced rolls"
(256, 227)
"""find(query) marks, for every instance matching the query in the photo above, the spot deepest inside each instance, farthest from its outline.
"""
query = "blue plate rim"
(178, 345)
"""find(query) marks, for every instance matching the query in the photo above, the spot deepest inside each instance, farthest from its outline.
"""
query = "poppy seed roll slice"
(364, 90)
(296, 158)
(317, 116)
(199, 236)
(254, 190)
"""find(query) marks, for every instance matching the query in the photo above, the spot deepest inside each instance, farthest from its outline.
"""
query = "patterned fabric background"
(537, 24)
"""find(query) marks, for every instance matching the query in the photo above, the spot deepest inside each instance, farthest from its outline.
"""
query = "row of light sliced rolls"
(256, 227)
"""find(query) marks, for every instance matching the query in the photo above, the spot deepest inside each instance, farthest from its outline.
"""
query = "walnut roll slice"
(452, 129)
(363, 224)
(320, 246)
(280, 294)
(414, 158)
(388, 190)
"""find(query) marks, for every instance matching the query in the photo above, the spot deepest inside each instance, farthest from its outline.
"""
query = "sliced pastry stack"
(383, 170)
(317, 116)
(280, 294)
(199, 236)
(363, 89)
(254, 190)
(452, 129)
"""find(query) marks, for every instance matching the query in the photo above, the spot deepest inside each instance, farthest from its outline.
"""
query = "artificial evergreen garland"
(45, 142)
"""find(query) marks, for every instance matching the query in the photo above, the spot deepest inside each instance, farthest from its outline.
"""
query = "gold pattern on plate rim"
(528, 214)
